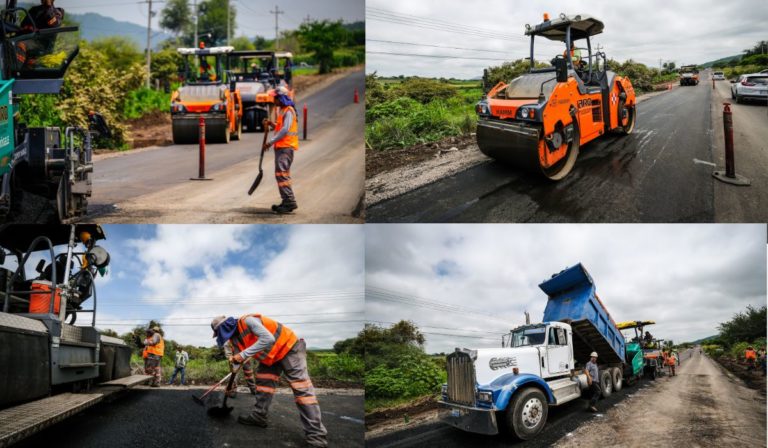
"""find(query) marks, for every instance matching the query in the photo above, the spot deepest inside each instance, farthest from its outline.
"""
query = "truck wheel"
(617, 378)
(627, 125)
(606, 383)
(739, 99)
(527, 414)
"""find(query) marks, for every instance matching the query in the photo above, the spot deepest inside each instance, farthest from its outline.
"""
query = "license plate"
(458, 412)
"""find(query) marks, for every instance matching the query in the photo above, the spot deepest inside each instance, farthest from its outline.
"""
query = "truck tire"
(606, 383)
(526, 414)
(617, 378)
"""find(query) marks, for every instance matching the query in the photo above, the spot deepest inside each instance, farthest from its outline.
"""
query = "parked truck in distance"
(538, 365)
(689, 75)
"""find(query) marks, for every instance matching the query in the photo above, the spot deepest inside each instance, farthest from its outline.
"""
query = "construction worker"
(207, 73)
(279, 351)
(593, 380)
(575, 56)
(155, 349)
(669, 360)
(45, 15)
(180, 364)
(247, 369)
(751, 357)
(286, 142)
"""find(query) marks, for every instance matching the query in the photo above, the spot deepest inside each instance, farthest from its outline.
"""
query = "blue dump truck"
(538, 365)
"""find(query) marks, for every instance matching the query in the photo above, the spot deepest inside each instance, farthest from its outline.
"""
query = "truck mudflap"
(468, 418)
(511, 143)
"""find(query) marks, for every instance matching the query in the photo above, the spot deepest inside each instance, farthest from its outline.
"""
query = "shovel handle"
(228, 376)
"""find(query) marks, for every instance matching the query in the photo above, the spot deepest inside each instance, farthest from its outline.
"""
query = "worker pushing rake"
(279, 351)
(286, 142)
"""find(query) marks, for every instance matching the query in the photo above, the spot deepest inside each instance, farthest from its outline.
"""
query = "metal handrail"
(21, 269)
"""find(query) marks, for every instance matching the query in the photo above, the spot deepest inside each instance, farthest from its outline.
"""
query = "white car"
(718, 76)
(750, 87)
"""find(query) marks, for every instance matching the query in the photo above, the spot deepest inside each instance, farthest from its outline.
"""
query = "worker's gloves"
(236, 359)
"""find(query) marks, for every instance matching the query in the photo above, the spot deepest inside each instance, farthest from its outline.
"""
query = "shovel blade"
(256, 182)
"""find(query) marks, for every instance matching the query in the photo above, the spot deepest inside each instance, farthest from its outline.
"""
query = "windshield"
(46, 54)
(529, 85)
(528, 336)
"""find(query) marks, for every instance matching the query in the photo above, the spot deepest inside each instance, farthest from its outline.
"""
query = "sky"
(465, 285)
(253, 17)
(672, 30)
(309, 277)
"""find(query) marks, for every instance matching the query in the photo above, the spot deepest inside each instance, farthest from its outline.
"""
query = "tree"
(176, 17)
(745, 326)
(509, 71)
(261, 43)
(242, 43)
(121, 52)
(109, 332)
(322, 38)
(213, 21)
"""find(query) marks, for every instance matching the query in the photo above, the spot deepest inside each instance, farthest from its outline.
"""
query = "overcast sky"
(253, 17)
(677, 30)
(310, 277)
(688, 278)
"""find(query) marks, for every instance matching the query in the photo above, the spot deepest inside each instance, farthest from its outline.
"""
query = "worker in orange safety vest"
(286, 142)
(155, 348)
(751, 356)
(670, 362)
(278, 351)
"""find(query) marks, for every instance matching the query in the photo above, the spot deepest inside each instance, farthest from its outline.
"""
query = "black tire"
(617, 379)
(606, 383)
(630, 126)
(739, 99)
(563, 167)
(733, 95)
(250, 120)
(526, 415)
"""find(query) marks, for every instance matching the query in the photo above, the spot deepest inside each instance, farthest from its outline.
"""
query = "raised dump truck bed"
(573, 300)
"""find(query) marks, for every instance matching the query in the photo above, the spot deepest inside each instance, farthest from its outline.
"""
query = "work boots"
(251, 420)
(285, 207)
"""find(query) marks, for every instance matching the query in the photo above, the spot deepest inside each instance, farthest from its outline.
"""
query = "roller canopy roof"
(582, 26)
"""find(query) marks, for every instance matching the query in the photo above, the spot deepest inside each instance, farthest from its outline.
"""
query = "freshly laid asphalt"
(660, 173)
(169, 418)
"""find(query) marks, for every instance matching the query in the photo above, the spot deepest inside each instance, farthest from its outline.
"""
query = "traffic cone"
(357, 97)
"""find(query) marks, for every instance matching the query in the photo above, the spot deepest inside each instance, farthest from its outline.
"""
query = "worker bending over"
(286, 141)
(278, 351)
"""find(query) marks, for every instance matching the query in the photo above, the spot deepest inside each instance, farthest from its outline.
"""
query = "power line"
(208, 325)
(432, 56)
(434, 46)
(145, 319)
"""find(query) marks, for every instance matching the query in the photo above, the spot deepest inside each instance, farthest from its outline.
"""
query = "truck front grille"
(461, 378)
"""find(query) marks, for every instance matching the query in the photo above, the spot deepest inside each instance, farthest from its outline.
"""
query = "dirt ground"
(155, 129)
(704, 405)
(393, 172)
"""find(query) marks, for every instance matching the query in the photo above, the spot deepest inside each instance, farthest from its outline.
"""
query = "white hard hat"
(593, 355)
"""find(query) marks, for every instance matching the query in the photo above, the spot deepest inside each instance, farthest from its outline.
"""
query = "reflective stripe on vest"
(291, 138)
(157, 349)
(285, 339)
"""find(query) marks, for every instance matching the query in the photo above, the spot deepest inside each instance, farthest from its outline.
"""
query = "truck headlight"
(177, 108)
(484, 396)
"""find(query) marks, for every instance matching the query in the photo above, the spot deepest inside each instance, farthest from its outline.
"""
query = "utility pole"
(276, 12)
(194, 44)
(307, 19)
(149, 42)
(229, 16)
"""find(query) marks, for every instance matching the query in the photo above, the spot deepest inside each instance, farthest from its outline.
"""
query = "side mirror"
(561, 69)
(40, 266)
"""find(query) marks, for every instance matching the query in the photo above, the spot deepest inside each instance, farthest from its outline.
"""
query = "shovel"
(257, 181)
(199, 400)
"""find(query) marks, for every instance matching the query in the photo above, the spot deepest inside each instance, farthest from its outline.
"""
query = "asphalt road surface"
(169, 418)
(702, 406)
(660, 173)
(328, 173)
(560, 421)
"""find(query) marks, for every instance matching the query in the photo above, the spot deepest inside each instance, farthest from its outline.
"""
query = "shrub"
(142, 101)
(425, 90)
(416, 375)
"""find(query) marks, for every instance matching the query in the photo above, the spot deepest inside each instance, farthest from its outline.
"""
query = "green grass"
(378, 404)
(305, 71)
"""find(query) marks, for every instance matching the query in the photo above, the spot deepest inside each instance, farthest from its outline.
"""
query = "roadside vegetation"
(403, 112)
(207, 365)
(752, 60)
(744, 329)
(109, 74)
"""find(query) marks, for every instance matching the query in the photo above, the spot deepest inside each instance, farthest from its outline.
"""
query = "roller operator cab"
(47, 162)
(207, 91)
(256, 74)
(538, 365)
(539, 120)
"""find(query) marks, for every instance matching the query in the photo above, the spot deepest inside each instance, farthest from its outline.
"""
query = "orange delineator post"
(729, 175)
(201, 159)
(304, 127)
(357, 97)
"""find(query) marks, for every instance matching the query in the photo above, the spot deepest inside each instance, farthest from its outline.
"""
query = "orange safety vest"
(291, 139)
(750, 354)
(670, 360)
(157, 349)
(285, 339)
(145, 354)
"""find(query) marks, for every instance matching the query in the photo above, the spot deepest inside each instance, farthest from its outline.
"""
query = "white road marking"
(703, 162)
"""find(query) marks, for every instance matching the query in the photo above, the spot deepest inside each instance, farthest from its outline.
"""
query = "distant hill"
(721, 61)
(93, 26)
(703, 340)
